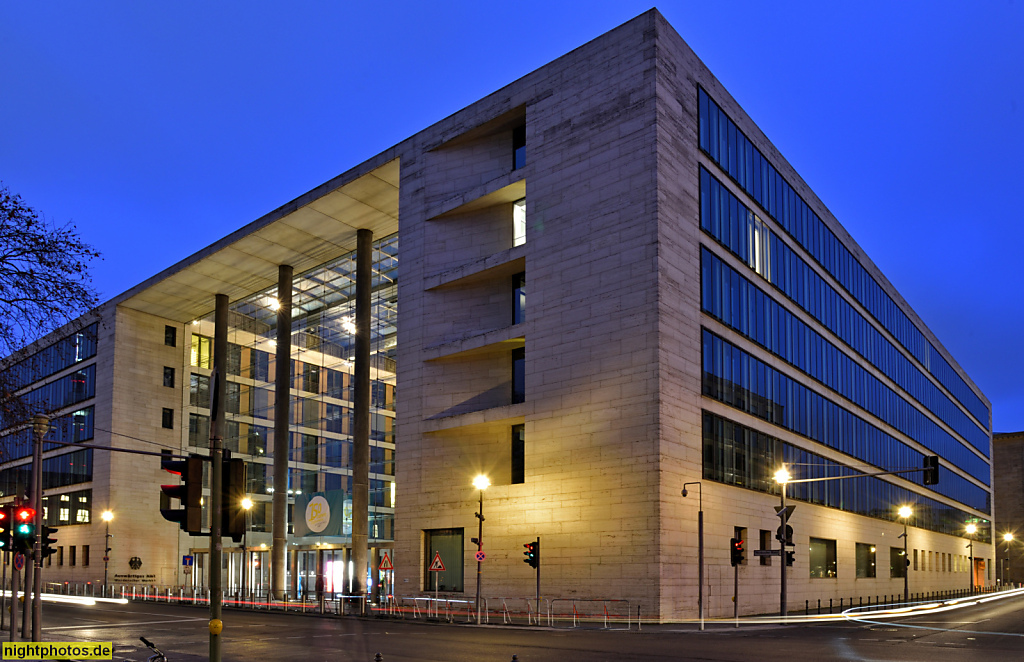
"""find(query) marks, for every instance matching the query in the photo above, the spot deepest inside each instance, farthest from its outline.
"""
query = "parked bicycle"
(157, 656)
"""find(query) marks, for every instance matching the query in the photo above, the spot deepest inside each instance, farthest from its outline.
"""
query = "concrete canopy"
(311, 230)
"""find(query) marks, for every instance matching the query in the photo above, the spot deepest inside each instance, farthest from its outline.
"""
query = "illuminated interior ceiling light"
(348, 325)
(274, 304)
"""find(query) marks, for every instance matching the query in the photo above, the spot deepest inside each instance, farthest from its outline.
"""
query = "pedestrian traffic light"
(736, 551)
(190, 516)
(790, 557)
(232, 493)
(532, 553)
(24, 528)
(931, 469)
(6, 519)
(46, 541)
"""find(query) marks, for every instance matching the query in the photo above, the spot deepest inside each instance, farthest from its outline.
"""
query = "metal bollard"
(515, 658)
(378, 658)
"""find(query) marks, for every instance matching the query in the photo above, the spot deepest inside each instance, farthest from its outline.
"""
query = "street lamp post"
(971, 530)
(246, 505)
(700, 550)
(782, 477)
(106, 516)
(905, 513)
(481, 483)
(1007, 538)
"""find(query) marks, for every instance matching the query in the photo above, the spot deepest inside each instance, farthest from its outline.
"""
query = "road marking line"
(124, 625)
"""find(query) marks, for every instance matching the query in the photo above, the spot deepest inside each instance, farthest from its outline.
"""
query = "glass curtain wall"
(321, 416)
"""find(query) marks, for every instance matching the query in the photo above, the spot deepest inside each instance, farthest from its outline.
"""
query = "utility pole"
(218, 396)
(40, 426)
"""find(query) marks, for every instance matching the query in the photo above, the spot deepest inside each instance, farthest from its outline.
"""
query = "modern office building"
(1008, 489)
(696, 317)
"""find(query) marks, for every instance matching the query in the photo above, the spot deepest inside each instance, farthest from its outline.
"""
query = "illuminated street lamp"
(481, 483)
(246, 505)
(106, 517)
(971, 530)
(905, 513)
(1007, 538)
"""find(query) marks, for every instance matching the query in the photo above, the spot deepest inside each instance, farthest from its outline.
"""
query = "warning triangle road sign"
(385, 563)
(437, 565)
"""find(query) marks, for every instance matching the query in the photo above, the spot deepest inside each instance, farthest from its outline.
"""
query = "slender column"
(361, 426)
(40, 426)
(282, 407)
(219, 402)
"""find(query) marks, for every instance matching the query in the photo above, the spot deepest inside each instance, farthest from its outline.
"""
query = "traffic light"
(190, 516)
(532, 553)
(931, 469)
(736, 549)
(6, 520)
(24, 529)
(790, 557)
(232, 492)
(46, 541)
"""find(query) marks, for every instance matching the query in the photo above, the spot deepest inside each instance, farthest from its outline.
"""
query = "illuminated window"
(519, 222)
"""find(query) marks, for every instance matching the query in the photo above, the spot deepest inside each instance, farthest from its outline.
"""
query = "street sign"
(385, 563)
(185, 560)
(789, 511)
(480, 556)
(437, 565)
(187, 570)
(767, 552)
(19, 561)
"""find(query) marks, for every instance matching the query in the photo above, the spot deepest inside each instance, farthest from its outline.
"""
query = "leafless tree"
(44, 283)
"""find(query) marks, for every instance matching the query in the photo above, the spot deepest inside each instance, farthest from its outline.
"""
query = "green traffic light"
(24, 529)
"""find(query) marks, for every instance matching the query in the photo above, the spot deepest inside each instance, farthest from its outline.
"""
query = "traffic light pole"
(220, 350)
(782, 555)
(40, 425)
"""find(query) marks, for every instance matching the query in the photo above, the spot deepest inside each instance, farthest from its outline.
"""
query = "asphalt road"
(989, 631)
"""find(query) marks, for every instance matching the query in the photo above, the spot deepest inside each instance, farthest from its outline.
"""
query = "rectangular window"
(519, 222)
(170, 336)
(85, 555)
(519, 299)
(167, 418)
(766, 544)
(518, 147)
(915, 560)
(865, 560)
(822, 558)
(202, 351)
(518, 454)
(199, 391)
(518, 375)
(60, 555)
(168, 377)
(72, 556)
(449, 545)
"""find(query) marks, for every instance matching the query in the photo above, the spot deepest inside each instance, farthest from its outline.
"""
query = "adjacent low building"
(612, 286)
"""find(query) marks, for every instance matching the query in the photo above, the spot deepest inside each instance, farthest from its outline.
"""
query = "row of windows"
(258, 401)
(67, 509)
(734, 300)
(740, 456)
(734, 377)
(74, 427)
(726, 219)
(250, 439)
(733, 151)
(64, 353)
(257, 441)
(72, 388)
(59, 471)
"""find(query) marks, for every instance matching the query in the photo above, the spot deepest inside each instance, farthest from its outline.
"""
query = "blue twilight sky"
(158, 128)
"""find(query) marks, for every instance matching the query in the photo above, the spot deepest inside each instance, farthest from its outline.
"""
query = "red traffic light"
(25, 514)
